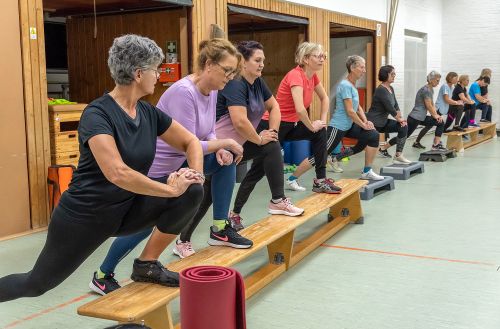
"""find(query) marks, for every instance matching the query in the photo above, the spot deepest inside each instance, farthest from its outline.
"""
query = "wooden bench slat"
(135, 300)
(456, 142)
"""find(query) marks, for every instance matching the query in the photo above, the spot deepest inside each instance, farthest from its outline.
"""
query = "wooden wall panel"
(35, 101)
(279, 48)
(14, 200)
(87, 56)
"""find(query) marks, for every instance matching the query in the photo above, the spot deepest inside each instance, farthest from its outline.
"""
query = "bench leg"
(455, 143)
(351, 206)
(161, 318)
(280, 250)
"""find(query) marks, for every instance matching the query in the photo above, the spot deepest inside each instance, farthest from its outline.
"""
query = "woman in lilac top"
(191, 101)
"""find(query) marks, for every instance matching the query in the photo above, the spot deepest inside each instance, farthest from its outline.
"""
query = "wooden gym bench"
(456, 142)
(150, 302)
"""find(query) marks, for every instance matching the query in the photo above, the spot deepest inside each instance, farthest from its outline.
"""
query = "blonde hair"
(353, 62)
(304, 50)
(485, 72)
(215, 50)
(463, 78)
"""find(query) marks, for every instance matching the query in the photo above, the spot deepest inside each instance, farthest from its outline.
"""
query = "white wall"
(470, 42)
(371, 9)
(421, 16)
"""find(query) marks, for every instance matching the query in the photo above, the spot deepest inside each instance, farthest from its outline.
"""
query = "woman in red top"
(294, 96)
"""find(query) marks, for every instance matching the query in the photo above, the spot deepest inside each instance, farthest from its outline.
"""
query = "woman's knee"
(372, 137)
(194, 193)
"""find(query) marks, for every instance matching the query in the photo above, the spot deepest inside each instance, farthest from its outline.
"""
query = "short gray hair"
(353, 61)
(433, 75)
(129, 53)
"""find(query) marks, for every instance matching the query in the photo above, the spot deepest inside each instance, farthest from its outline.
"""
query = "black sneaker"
(347, 152)
(418, 145)
(458, 128)
(484, 120)
(228, 237)
(325, 186)
(154, 272)
(384, 153)
(439, 147)
(105, 285)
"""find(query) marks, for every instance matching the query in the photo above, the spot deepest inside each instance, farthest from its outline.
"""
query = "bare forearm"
(325, 107)
(304, 117)
(274, 119)
(245, 129)
(194, 156)
(133, 181)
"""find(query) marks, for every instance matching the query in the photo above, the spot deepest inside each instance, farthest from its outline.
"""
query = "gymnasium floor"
(427, 257)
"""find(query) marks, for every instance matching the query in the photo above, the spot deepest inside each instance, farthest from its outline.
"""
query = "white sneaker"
(333, 165)
(401, 160)
(371, 175)
(293, 185)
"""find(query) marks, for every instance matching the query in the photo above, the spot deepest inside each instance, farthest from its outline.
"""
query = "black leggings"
(392, 126)
(428, 122)
(70, 241)
(365, 138)
(271, 164)
(289, 131)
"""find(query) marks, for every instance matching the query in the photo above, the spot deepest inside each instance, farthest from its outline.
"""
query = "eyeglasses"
(320, 56)
(228, 71)
(156, 70)
(393, 74)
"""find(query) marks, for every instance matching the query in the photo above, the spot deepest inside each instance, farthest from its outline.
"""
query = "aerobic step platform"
(437, 156)
(402, 171)
(368, 191)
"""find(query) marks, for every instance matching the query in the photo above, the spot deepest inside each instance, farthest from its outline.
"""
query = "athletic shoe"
(439, 147)
(183, 249)
(458, 128)
(473, 125)
(484, 121)
(235, 221)
(401, 160)
(285, 207)
(384, 153)
(105, 285)
(347, 152)
(371, 175)
(154, 272)
(228, 237)
(418, 145)
(325, 185)
(293, 185)
(332, 165)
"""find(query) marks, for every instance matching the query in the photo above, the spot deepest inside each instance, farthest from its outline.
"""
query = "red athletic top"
(296, 77)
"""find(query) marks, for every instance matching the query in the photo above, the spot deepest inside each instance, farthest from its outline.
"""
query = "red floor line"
(409, 255)
(54, 308)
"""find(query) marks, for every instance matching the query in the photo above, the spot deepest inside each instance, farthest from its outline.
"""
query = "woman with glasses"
(192, 102)
(384, 103)
(424, 103)
(110, 194)
(240, 106)
(295, 95)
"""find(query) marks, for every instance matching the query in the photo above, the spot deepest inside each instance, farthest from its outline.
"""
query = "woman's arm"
(431, 109)
(325, 101)
(110, 162)
(450, 101)
(298, 101)
(273, 108)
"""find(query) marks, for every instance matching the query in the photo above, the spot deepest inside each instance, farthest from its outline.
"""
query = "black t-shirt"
(457, 91)
(239, 92)
(383, 104)
(90, 195)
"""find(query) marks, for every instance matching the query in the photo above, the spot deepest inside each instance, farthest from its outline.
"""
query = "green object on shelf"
(59, 101)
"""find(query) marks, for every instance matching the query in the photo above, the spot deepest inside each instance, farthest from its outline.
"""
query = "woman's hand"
(224, 157)
(233, 146)
(267, 136)
(402, 122)
(368, 125)
(180, 180)
(438, 118)
(318, 125)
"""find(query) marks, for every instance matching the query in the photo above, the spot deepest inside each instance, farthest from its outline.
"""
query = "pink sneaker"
(183, 249)
(235, 221)
(284, 207)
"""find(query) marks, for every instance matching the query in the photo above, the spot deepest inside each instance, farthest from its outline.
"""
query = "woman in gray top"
(385, 103)
(424, 103)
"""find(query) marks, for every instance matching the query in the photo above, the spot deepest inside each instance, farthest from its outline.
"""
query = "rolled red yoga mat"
(212, 297)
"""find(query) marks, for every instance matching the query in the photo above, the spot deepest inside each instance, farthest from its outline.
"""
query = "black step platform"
(437, 156)
(402, 171)
(368, 191)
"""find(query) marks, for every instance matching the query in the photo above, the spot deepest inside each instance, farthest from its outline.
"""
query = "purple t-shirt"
(185, 104)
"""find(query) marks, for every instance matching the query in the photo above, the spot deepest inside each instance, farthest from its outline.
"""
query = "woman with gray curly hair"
(424, 103)
(110, 194)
